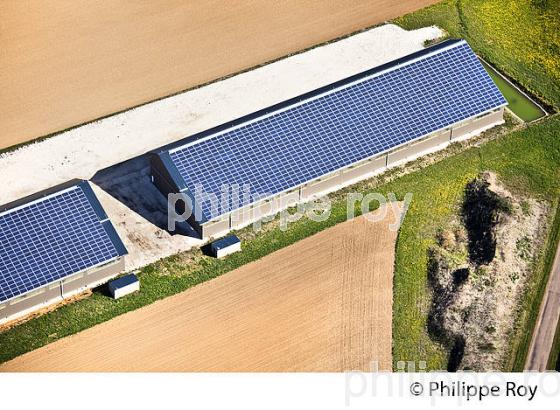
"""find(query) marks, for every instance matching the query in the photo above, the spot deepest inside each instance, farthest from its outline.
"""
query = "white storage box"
(225, 246)
(123, 286)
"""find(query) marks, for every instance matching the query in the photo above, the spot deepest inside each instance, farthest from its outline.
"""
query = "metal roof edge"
(225, 242)
(203, 219)
(103, 218)
(125, 280)
(181, 185)
(174, 173)
(115, 238)
(93, 200)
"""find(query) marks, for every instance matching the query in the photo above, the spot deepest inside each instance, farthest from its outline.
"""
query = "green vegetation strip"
(554, 359)
(527, 161)
(529, 309)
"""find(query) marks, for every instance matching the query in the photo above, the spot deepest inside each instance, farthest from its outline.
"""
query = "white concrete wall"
(416, 149)
(321, 186)
(217, 228)
(364, 170)
(247, 215)
(475, 127)
(221, 253)
(126, 290)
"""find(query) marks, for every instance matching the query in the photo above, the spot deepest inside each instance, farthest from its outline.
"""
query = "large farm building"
(54, 245)
(60, 242)
(329, 138)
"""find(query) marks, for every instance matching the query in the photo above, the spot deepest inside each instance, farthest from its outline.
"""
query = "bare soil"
(477, 301)
(65, 63)
(322, 304)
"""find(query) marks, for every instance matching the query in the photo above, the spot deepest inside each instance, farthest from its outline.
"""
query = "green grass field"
(520, 37)
(524, 163)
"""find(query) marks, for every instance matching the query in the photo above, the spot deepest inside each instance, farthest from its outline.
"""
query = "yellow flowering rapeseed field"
(520, 37)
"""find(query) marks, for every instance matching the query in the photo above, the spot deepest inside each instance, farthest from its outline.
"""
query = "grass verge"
(554, 359)
(529, 310)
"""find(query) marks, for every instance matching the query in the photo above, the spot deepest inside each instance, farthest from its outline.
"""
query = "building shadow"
(130, 183)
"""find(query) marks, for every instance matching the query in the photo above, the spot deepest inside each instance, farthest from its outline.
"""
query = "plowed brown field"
(322, 304)
(64, 62)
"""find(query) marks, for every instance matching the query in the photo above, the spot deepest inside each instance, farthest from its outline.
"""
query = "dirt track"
(65, 63)
(322, 304)
(547, 321)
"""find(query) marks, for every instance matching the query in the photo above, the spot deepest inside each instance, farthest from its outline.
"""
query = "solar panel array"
(344, 126)
(48, 240)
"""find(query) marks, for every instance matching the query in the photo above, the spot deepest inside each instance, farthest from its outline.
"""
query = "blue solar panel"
(51, 238)
(340, 127)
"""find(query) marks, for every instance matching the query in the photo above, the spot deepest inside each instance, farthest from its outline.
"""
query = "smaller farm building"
(233, 174)
(54, 245)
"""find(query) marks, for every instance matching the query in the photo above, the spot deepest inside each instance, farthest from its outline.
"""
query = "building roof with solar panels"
(369, 115)
(60, 242)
